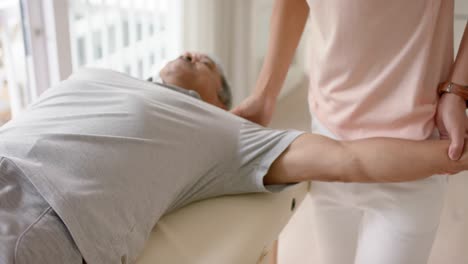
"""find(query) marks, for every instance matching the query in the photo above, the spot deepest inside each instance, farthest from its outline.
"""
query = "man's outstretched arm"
(314, 157)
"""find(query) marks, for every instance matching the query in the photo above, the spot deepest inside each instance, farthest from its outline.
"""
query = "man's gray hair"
(225, 94)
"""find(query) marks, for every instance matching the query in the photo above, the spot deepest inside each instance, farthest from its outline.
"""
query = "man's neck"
(178, 89)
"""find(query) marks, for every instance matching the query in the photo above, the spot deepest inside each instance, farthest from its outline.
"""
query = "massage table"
(238, 229)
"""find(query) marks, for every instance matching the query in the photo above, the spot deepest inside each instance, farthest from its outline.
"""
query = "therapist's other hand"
(452, 123)
(256, 108)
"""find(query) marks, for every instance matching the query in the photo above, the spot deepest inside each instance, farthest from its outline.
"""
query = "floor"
(296, 244)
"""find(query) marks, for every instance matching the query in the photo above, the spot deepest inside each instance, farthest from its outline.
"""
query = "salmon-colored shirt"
(376, 64)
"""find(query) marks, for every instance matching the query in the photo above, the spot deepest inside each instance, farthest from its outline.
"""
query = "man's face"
(195, 71)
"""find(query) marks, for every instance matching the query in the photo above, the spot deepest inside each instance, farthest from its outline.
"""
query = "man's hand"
(451, 120)
(256, 108)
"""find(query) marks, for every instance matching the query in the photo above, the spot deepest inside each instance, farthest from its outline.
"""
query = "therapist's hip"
(418, 200)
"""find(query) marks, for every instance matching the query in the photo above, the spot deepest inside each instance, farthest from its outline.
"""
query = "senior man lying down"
(89, 168)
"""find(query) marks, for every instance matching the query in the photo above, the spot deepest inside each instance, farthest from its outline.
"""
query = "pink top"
(376, 64)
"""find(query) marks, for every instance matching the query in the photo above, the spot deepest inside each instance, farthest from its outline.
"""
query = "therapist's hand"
(256, 108)
(452, 123)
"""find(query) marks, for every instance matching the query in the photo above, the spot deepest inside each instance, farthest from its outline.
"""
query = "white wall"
(237, 33)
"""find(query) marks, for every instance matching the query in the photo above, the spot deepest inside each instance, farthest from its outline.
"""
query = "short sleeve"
(258, 147)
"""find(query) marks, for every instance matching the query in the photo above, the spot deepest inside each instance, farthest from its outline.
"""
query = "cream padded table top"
(229, 229)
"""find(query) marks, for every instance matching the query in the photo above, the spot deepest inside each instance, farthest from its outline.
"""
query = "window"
(128, 69)
(139, 31)
(78, 16)
(162, 23)
(151, 60)
(111, 38)
(163, 53)
(81, 44)
(125, 35)
(151, 29)
(97, 45)
(14, 88)
(140, 69)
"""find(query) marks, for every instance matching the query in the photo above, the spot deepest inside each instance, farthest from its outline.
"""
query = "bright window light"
(127, 36)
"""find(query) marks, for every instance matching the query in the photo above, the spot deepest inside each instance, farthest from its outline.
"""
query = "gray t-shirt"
(111, 154)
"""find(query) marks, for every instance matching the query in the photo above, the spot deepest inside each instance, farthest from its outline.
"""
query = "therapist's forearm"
(460, 67)
(287, 24)
(313, 157)
(395, 160)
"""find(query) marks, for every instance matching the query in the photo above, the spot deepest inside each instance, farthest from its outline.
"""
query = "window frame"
(48, 29)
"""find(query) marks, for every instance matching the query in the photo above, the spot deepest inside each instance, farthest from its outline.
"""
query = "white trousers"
(391, 223)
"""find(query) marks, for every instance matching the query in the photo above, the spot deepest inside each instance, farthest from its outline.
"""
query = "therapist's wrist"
(453, 92)
(266, 91)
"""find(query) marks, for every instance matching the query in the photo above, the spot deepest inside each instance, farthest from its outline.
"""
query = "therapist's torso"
(376, 64)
